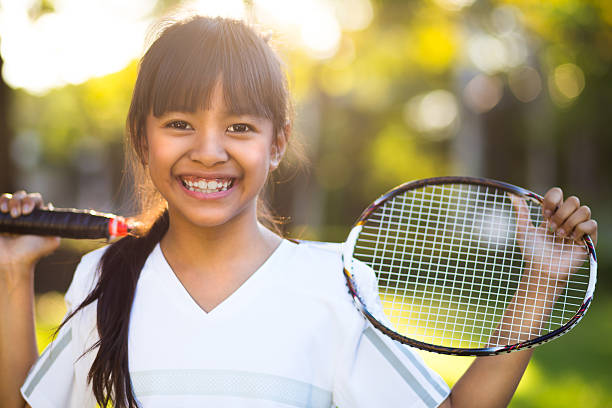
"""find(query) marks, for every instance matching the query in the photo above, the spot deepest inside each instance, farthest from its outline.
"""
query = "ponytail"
(120, 268)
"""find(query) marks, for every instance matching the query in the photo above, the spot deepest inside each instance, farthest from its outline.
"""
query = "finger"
(586, 228)
(563, 212)
(31, 201)
(4, 199)
(14, 203)
(552, 200)
(582, 214)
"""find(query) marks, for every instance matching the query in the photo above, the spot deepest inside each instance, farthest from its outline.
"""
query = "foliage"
(96, 108)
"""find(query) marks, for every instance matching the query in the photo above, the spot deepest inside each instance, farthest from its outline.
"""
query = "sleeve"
(55, 381)
(50, 381)
(381, 372)
(377, 371)
(84, 279)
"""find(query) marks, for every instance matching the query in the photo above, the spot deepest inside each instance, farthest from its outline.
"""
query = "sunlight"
(312, 24)
(359, 17)
(213, 8)
(68, 46)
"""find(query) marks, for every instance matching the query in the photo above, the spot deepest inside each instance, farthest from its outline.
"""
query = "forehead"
(224, 96)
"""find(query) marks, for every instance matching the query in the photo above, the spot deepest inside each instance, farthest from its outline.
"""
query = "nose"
(209, 147)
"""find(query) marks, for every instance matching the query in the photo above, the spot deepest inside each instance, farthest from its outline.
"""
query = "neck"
(237, 245)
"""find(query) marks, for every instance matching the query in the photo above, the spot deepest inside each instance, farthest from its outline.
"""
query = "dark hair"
(178, 72)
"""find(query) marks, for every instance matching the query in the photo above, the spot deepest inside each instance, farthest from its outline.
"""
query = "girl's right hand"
(21, 252)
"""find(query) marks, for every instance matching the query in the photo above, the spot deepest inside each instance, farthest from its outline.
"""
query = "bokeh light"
(525, 83)
(487, 53)
(454, 5)
(566, 83)
(432, 112)
(482, 93)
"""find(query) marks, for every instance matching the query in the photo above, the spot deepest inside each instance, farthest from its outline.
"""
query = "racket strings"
(448, 266)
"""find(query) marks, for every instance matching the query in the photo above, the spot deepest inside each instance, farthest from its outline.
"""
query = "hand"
(549, 260)
(554, 255)
(22, 252)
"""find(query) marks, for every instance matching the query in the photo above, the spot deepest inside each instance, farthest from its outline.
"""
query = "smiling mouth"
(207, 186)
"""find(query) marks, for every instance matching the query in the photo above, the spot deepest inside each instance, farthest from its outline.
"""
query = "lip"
(208, 176)
(207, 196)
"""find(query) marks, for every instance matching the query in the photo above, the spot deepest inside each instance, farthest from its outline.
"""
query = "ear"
(279, 146)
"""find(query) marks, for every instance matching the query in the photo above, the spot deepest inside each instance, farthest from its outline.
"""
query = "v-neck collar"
(237, 299)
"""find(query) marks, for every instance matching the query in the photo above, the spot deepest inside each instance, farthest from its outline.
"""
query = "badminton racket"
(466, 266)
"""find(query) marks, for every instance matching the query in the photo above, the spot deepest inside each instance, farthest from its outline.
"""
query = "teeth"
(207, 187)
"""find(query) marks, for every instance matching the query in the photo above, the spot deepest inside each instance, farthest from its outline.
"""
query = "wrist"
(16, 275)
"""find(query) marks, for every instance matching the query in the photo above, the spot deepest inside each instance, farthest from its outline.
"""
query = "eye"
(178, 125)
(239, 128)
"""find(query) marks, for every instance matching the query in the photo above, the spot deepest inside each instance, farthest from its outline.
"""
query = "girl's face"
(210, 165)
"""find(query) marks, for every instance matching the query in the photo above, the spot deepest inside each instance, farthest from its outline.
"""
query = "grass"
(571, 371)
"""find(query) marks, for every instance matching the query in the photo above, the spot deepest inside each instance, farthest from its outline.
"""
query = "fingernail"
(27, 208)
(561, 232)
(547, 213)
(4, 207)
(552, 227)
(14, 212)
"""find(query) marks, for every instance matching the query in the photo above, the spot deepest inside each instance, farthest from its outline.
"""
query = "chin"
(208, 218)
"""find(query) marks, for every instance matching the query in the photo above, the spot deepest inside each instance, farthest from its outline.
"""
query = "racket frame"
(347, 256)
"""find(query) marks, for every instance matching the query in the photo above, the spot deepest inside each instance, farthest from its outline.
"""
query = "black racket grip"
(65, 223)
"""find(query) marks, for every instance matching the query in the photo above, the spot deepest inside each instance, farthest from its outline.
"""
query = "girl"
(208, 307)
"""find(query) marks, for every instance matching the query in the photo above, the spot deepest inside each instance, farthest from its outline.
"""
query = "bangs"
(192, 58)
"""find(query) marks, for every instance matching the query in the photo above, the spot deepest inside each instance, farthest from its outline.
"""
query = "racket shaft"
(65, 223)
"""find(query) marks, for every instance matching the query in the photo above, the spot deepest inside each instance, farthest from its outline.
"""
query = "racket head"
(446, 265)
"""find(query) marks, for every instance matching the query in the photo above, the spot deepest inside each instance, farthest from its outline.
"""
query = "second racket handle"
(65, 223)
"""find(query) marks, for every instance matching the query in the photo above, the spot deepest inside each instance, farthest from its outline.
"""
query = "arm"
(18, 257)
(491, 381)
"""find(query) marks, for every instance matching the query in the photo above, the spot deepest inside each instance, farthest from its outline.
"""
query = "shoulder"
(315, 269)
(322, 262)
(324, 252)
(320, 258)
(85, 277)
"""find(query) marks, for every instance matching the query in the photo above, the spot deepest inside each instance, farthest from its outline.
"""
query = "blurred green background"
(385, 91)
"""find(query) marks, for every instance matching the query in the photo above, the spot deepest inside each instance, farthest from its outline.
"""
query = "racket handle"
(66, 223)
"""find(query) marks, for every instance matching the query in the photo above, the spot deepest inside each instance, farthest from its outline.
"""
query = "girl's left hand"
(567, 218)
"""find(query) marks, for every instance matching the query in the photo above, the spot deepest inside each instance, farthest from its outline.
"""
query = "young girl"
(208, 307)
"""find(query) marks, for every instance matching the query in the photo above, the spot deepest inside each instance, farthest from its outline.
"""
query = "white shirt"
(290, 336)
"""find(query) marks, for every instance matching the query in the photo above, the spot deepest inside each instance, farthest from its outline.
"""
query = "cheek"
(161, 158)
(259, 160)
